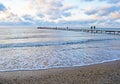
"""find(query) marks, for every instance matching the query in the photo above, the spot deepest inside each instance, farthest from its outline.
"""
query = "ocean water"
(32, 48)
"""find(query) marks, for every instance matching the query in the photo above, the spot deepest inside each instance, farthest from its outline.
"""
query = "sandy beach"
(104, 73)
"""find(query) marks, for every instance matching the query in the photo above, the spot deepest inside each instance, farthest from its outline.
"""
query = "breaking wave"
(38, 44)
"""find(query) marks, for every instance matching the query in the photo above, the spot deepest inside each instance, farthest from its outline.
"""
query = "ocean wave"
(41, 36)
(38, 44)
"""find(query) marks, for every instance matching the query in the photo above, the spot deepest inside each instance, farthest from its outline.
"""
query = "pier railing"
(115, 32)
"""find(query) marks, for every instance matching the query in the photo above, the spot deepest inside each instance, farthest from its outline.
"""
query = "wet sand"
(104, 73)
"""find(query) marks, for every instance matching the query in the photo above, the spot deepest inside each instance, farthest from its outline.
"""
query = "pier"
(115, 32)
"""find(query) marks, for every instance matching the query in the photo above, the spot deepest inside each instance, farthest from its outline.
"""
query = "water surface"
(32, 48)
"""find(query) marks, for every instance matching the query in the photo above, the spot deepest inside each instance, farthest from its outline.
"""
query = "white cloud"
(115, 15)
(60, 12)
(51, 10)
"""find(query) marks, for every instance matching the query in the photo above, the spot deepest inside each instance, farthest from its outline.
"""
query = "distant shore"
(104, 73)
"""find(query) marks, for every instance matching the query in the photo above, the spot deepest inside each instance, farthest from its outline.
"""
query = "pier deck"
(115, 32)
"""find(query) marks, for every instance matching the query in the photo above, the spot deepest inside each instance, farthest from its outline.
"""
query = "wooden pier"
(115, 32)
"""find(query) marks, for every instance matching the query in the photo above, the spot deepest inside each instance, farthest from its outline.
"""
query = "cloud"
(7, 16)
(107, 15)
(59, 12)
(67, 14)
(88, 0)
(108, 1)
(15, 24)
(115, 15)
(111, 1)
(27, 18)
(91, 11)
(107, 10)
(51, 10)
(2, 7)
(36, 12)
(102, 11)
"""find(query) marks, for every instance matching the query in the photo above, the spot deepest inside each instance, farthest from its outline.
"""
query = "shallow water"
(32, 48)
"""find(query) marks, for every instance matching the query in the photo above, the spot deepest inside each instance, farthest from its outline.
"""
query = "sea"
(29, 48)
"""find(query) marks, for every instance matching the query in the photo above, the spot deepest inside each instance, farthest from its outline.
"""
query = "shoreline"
(62, 67)
(103, 73)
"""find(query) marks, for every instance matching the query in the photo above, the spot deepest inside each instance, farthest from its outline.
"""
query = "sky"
(77, 13)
